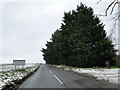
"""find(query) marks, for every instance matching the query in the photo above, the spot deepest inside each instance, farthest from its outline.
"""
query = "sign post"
(18, 62)
(107, 64)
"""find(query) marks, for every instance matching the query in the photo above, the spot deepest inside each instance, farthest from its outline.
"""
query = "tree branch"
(113, 7)
(109, 7)
(99, 1)
(115, 17)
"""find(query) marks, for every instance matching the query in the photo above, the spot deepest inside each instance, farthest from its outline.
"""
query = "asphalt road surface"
(51, 77)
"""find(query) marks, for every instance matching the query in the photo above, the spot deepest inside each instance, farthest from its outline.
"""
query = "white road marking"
(58, 79)
(50, 72)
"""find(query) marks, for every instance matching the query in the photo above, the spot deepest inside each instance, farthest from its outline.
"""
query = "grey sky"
(27, 25)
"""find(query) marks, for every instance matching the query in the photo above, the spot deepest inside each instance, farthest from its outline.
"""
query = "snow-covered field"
(8, 74)
(110, 75)
(9, 67)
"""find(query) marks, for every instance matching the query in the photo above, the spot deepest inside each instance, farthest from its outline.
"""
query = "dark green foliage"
(81, 41)
(118, 60)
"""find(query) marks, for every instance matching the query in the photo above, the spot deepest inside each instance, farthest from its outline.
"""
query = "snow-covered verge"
(12, 78)
(110, 75)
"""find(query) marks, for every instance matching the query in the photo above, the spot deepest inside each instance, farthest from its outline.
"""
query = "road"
(51, 77)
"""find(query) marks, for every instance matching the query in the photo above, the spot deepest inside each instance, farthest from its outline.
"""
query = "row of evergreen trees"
(81, 41)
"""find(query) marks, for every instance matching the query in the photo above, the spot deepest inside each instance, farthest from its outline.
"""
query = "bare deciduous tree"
(111, 7)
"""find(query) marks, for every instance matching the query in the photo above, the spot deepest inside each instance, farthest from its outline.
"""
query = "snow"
(110, 75)
(8, 75)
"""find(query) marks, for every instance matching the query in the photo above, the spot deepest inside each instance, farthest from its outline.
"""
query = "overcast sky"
(26, 25)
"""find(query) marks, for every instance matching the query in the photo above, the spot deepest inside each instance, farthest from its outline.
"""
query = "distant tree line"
(80, 41)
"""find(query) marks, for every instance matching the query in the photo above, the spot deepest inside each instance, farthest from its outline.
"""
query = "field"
(9, 75)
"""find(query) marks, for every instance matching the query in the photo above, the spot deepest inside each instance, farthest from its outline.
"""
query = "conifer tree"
(81, 41)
